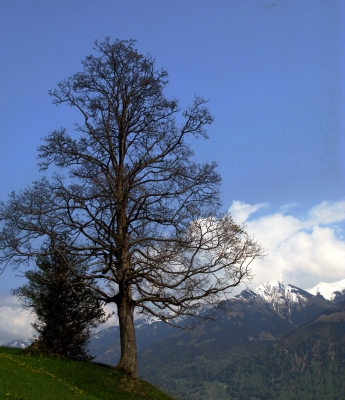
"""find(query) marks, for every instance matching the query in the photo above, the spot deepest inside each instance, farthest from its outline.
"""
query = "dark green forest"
(306, 364)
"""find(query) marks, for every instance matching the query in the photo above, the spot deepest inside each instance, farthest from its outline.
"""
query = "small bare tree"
(143, 217)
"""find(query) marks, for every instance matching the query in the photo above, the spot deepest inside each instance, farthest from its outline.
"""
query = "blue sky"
(273, 72)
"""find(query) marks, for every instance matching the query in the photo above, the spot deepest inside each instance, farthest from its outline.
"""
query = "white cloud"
(327, 213)
(15, 323)
(302, 251)
(113, 320)
(241, 211)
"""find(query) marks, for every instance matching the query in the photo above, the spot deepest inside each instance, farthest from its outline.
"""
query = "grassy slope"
(48, 378)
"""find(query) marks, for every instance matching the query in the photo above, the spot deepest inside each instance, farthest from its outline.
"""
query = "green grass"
(33, 377)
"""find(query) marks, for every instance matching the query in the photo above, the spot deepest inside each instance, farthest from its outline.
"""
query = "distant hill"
(19, 343)
(307, 364)
(188, 364)
(105, 345)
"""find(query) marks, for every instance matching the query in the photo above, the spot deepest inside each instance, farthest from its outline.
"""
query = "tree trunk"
(128, 363)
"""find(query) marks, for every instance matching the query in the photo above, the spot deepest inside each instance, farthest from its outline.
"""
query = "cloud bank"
(302, 250)
(15, 323)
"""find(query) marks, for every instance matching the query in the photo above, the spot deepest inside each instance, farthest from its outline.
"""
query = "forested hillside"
(306, 364)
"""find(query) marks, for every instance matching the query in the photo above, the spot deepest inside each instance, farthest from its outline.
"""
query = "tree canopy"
(143, 216)
(66, 310)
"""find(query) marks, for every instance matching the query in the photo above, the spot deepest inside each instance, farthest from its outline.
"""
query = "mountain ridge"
(308, 364)
(282, 297)
(189, 364)
(330, 291)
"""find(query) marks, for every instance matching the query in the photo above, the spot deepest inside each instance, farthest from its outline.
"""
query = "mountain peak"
(327, 290)
(288, 301)
(19, 343)
(276, 292)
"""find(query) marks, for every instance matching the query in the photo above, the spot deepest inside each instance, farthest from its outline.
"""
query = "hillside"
(48, 378)
(307, 364)
(188, 364)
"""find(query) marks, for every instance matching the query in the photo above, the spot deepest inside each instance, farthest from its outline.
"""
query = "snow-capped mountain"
(330, 291)
(277, 293)
(20, 343)
(295, 305)
(290, 302)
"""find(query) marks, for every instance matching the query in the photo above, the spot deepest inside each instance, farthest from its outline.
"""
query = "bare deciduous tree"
(140, 213)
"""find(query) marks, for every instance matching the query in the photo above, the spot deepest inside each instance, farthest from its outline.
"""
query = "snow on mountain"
(327, 290)
(288, 301)
(19, 343)
(104, 332)
(147, 320)
(276, 292)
